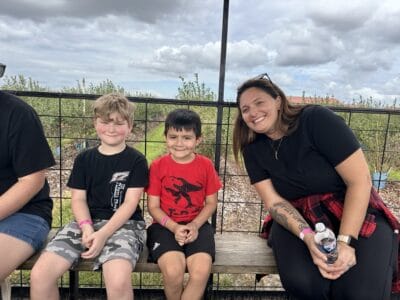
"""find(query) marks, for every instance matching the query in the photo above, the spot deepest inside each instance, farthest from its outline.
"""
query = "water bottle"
(326, 242)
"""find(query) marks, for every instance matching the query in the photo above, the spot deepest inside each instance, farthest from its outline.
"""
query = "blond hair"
(113, 103)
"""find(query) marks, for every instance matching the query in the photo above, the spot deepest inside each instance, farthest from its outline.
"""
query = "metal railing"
(67, 120)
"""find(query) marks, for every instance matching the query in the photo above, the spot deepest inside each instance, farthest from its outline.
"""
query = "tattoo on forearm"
(278, 217)
(281, 211)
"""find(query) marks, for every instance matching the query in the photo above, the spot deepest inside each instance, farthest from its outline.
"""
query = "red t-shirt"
(182, 188)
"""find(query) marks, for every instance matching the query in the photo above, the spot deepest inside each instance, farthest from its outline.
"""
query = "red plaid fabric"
(312, 208)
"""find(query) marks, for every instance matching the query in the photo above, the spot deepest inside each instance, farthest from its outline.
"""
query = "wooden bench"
(236, 253)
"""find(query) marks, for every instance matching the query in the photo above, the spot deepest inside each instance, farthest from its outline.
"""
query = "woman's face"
(260, 111)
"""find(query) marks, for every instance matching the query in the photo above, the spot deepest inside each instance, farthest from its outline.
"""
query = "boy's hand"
(87, 230)
(192, 234)
(96, 241)
(181, 232)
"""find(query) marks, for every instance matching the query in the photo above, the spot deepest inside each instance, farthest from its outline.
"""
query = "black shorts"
(160, 240)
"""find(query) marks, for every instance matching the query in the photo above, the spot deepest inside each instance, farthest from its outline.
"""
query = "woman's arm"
(284, 213)
(355, 174)
(281, 210)
(21, 193)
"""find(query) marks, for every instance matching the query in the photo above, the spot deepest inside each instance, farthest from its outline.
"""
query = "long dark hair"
(287, 115)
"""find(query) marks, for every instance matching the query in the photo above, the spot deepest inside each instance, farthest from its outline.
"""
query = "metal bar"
(220, 111)
(73, 285)
(344, 108)
(218, 136)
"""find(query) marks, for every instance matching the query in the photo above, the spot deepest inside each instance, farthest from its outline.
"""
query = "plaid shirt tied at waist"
(313, 208)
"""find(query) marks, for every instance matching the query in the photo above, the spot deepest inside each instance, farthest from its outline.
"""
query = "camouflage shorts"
(126, 243)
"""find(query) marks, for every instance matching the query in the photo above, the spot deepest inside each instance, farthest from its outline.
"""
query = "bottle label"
(328, 246)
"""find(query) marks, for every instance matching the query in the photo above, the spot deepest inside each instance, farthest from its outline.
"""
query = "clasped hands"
(346, 259)
(185, 234)
(92, 241)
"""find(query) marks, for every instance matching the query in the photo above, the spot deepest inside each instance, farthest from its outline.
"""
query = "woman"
(307, 166)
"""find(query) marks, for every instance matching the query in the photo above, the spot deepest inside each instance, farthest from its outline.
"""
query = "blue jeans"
(29, 228)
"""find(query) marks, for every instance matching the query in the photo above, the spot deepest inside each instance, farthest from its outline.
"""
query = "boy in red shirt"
(182, 196)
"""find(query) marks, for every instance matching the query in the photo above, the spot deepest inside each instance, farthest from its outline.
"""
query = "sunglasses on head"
(263, 76)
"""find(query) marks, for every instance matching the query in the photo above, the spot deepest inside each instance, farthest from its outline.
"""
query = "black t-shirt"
(106, 179)
(306, 158)
(23, 151)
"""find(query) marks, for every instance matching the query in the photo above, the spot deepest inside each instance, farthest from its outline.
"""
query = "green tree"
(101, 88)
(194, 90)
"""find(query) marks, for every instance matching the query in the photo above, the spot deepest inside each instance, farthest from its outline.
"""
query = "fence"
(67, 120)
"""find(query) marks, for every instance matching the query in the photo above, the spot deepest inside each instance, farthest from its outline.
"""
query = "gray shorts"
(126, 243)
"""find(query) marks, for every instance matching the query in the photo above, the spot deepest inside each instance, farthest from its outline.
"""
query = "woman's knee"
(302, 286)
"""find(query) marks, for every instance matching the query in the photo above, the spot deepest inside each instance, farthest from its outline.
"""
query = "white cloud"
(392, 86)
(320, 47)
(341, 16)
(147, 11)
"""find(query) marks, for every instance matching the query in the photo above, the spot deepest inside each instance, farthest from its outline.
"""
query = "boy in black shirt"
(106, 182)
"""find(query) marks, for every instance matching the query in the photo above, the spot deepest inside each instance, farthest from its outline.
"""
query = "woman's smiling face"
(260, 111)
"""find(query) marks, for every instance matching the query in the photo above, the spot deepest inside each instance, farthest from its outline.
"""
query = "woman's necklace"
(276, 149)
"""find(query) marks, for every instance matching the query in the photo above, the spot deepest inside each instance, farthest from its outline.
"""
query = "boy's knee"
(200, 272)
(173, 274)
(37, 275)
(119, 286)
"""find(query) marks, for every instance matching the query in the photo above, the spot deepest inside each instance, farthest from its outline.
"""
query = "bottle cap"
(319, 227)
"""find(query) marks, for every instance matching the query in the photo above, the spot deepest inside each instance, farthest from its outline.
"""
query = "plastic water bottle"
(326, 242)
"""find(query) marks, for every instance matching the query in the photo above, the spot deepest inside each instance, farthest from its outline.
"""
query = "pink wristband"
(83, 222)
(304, 232)
(164, 220)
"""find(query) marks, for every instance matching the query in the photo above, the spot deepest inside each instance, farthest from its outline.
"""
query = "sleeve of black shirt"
(330, 135)
(30, 151)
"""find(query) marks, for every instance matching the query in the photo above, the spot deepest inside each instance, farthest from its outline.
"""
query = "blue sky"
(338, 48)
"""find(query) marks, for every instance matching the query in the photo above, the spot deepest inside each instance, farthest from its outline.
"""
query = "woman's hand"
(346, 259)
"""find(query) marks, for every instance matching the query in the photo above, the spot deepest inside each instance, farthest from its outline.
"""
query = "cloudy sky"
(344, 48)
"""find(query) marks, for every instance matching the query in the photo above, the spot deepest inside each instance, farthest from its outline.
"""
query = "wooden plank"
(6, 289)
(236, 253)
(243, 253)
(141, 266)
